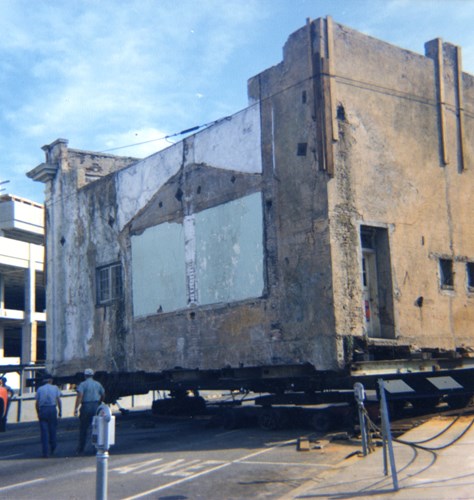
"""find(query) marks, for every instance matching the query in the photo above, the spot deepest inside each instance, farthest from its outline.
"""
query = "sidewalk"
(446, 473)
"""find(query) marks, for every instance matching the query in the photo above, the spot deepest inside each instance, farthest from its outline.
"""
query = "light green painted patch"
(158, 268)
(229, 251)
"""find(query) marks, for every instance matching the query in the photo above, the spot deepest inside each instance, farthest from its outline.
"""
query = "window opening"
(364, 271)
(470, 276)
(12, 343)
(446, 274)
(109, 283)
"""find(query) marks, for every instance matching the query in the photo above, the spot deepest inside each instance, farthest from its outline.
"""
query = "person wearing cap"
(48, 397)
(90, 394)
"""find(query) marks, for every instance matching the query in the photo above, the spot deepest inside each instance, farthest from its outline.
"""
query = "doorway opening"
(377, 287)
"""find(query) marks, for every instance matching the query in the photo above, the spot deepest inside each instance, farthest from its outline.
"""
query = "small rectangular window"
(302, 149)
(446, 274)
(109, 283)
(470, 276)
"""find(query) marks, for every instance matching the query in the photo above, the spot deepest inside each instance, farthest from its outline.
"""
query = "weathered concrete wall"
(389, 172)
(247, 242)
(80, 236)
(210, 208)
(299, 266)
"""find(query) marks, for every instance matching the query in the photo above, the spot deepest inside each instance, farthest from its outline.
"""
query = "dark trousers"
(3, 418)
(48, 420)
(87, 413)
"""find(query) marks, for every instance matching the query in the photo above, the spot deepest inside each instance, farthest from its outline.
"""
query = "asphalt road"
(172, 459)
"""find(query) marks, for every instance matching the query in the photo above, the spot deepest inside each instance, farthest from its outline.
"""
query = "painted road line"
(191, 468)
(21, 485)
(290, 464)
(178, 481)
(11, 456)
(160, 469)
(125, 469)
(208, 471)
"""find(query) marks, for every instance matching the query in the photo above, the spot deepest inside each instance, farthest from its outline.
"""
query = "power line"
(183, 132)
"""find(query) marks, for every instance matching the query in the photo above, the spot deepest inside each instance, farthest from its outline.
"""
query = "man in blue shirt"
(90, 394)
(48, 396)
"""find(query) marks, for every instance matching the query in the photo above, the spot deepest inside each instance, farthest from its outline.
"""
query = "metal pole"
(101, 478)
(384, 450)
(387, 433)
(363, 428)
(359, 393)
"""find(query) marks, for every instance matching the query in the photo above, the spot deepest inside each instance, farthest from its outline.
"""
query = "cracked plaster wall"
(386, 171)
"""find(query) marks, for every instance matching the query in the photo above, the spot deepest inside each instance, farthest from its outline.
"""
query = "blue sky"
(109, 73)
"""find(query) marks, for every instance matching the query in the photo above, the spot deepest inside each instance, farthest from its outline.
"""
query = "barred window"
(109, 283)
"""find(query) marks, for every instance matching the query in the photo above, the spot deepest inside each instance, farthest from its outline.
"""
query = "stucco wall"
(251, 229)
(390, 172)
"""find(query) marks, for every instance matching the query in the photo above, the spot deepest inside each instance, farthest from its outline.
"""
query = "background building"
(22, 283)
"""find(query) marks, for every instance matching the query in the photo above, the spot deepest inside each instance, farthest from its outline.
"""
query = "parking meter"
(103, 428)
(103, 437)
(359, 392)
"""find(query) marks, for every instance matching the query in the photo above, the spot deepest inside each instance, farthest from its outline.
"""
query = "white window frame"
(109, 283)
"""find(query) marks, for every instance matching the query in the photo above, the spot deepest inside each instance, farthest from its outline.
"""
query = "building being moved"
(22, 283)
(331, 219)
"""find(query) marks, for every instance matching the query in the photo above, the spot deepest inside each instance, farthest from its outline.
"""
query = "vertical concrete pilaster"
(2, 306)
(321, 47)
(449, 92)
(29, 332)
(2, 292)
(2, 342)
(460, 110)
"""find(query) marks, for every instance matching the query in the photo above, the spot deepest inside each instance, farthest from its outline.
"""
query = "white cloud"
(97, 73)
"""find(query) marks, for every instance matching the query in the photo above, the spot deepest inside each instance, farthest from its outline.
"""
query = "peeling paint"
(244, 243)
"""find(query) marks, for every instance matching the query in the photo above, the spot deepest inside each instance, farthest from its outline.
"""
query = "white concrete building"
(22, 283)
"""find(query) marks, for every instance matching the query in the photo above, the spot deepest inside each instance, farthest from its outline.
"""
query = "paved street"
(165, 459)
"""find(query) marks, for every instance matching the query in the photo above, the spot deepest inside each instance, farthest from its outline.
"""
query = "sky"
(105, 74)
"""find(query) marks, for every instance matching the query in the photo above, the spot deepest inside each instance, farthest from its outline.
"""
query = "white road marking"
(20, 485)
(289, 464)
(178, 481)
(192, 468)
(208, 471)
(219, 434)
(132, 467)
(11, 456)
(163, 468)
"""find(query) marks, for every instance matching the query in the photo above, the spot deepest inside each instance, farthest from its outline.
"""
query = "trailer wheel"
(458, 401)
(230, 419)
(396, 407)
(272, 419)
(425, 403)
(322, 421)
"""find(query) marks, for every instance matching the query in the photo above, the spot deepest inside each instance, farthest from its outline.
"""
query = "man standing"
(90, 394)
(48, 396)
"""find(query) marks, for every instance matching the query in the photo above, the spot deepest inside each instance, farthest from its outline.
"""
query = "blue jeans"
(48, 420)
